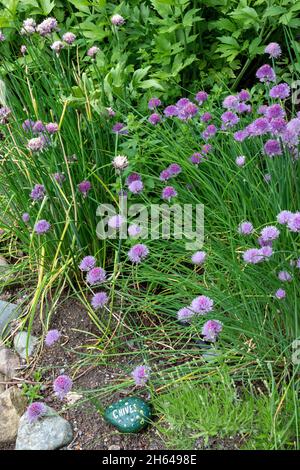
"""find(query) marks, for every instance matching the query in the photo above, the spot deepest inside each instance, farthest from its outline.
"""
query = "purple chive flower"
(202, 305)
(206, 117)
(201, 96)
(170, 111)
(57, 46)
(267, 177)
(36, 144)
(169, 192)
(284, 276)
(266, 251)
(206, 148)
(48, 26)
(116, 221)
(273, 49)
(59, 178)
(244, 95)
(243, 108)
(99, 300)
(266, 74)
(88, 263)
(240, 161)
(154, 119)
(93, 51)
(270, 233)
(197, 158)
(38, 192)
(165, 175)
(187, 111)
(277, 126)
(38, 127)
(133, 177)
(84, 187)
(25, 217)
(253, 256)
(52, 127)
(141, 375)
(69, 38)
(41, 227)
(136, 187)
(23, 49)
(62, 385)
(198, 257)
(284, 217)
(28, 125)
(294, 222)
(245, 228)
(274, 111)
(230, 102)
(258, 127)
(51, 337)
(210, 131)
(137, 253)
(35, 410)
(117, 20)
(119, 128)
(280, 294)
(241, 135)
(134, 230)
(281, 91)
(174, 169)
(120, 162)
(96, 276)
(272, 147)
(185, 314)
(154, 103)
(229, 119)
(211, 329)
(29, 26)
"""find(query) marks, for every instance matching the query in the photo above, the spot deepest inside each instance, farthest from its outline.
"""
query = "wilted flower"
(62, 385)
(284, 276)
(41, 227)
(29, 26)
(51, 337)
(96, 276)
(26, 217)
(99, 300)
(4, 114)
(93, 51)
(52, 127)
(211, 330)
(59, 178)
(37, 144)
(169, 192)
(198, 257)
(116, 221)
(2, 37)
(48, 26)
(69, 38)
(120, 162)
(84, 187)
(202, 305)
(245, 228)
(273, 49)
(23, 49)
(38, 192)
(141, 375)
(35, 410)
(137, 253)
(117, 20)
(87, 263)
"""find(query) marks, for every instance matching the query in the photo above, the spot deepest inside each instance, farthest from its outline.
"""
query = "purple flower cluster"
(138, 253)
(62, 385)
(52, 337)
(48, 26)
(211, 329)
(95, 276)
(141, 375)
(35, 411)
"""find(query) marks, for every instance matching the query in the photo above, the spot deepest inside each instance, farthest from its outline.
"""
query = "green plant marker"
(129, 414)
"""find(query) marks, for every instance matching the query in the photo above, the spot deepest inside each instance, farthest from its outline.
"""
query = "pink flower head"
(62, 385)
(281, 91)
(119, 128)
(154, 118)
(284, 217)
(37, 144)
(284, 276)
(272, 148)
(168, 193)
(253, 256)
(69, 38)
(206, 117)
(165, 175)
(211, 330)
(141, 375)
(266, 74)
(84, 187)
(201, 96)
(154, 103)
(245, 228)
(57, 46)
(273, 49)
(48, 26)
(96, 276)
(197, 158)
(185, 314)
(136, 187)
(174, 169)
(93, 51)
(280, 294)
(171, 111)
(138, 253)
(270, 233)
(88, 263)
(133, 177)
(51, 337)
(198, 257)
(99, 300)
(25, 217)
(240, 161)
(117, 20)
(35, 411)
(202, 305)
(38, 192)
(116, 221)
(134, 230)
(294, 222)
(52, 127)
(41, 227)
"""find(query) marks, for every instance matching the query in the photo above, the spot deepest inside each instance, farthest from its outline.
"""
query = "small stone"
(129, 414)
(20, 344)
(114, 447)
(8, 312)
(49, 432)
(9, 363)
(12, 406)
(2, 384)
(4, 268)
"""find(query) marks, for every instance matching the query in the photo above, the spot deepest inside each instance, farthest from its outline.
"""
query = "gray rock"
(4, 269)
(2, 384)
(20, 344)
(9, 362)
(12, 406)
(49, 432)
(8, 312)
